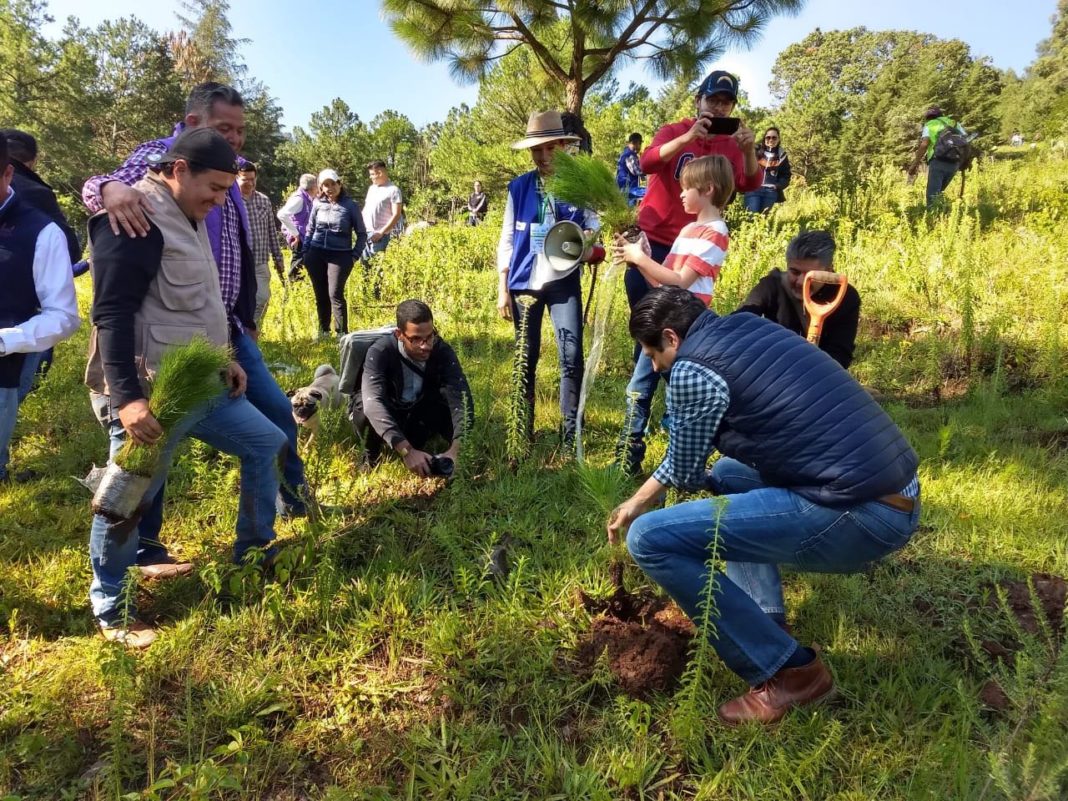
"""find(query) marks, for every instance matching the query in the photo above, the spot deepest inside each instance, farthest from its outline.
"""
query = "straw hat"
(542, 127)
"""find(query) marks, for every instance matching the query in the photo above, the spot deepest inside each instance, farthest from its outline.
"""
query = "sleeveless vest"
(797, 416)
(20, 225)
(526, 203)
(183, 301)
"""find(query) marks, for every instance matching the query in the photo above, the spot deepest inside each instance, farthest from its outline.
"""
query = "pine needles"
(583, 181)
(189, 376)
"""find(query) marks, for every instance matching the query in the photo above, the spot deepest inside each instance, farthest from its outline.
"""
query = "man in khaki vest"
(152, 292)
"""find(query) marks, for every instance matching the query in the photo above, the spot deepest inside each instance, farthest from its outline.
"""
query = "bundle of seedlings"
(189, 376)
(583, 181)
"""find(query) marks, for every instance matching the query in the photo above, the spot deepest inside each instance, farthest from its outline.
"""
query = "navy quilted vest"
(19, 226)
(797, 416)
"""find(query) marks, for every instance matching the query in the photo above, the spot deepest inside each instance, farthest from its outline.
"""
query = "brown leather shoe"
(137, 634)
(790, 687)
(166, 570)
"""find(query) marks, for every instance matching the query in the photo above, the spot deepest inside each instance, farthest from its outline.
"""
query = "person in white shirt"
(38, 307)
(294, 216)
(383, 209)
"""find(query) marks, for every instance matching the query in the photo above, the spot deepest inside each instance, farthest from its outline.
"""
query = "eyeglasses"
(422, 342)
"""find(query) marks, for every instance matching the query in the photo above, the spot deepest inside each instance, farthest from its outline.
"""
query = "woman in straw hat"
(529, 282)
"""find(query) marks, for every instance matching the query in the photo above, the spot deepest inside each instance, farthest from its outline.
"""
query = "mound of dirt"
(646, 639)
(1050, 591)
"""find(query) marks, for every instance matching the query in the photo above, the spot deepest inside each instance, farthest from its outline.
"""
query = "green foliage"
(188, 377)
(576, 46)
(587, 182)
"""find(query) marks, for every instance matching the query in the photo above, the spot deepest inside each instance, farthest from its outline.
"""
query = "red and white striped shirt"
(702, 247)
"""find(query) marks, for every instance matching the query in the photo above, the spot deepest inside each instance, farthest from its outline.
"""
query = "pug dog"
(321, 393)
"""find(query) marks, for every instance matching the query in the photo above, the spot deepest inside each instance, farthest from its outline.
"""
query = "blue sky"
(310, 51)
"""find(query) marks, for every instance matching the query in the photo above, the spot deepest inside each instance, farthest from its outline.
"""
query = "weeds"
(379, 662)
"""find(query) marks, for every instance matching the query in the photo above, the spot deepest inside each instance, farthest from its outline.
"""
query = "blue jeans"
(264, 393)
(563, 298)
(765, 526)
(231, 425)
(635, 284)
(761, 199)
(9, 410)
(643, 383)
(371, 248)
(30, 367)
(939, 174)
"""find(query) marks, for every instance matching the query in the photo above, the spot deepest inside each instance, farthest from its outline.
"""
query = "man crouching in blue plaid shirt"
(813, 473)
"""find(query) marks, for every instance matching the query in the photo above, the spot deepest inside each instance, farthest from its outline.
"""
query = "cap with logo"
(203, 147)
(719, 82)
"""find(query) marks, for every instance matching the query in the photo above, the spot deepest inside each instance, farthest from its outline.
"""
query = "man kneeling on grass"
(813, 473)
(150, 293)
(413, 391)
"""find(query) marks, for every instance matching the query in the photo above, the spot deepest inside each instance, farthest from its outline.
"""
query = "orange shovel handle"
(817, 312)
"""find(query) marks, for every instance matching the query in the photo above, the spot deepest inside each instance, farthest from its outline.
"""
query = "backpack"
(952, 145)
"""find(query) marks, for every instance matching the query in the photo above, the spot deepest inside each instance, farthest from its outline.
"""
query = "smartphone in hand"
(723, 125)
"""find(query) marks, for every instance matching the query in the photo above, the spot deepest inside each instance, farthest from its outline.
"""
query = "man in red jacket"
(661, 216)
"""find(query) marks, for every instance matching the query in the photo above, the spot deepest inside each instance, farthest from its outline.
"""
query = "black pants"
(329, 271)
(427, 418)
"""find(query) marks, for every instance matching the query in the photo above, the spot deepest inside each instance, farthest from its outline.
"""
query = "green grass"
(384, 664)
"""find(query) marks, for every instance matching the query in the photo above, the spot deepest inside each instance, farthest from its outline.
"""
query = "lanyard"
(546, 204)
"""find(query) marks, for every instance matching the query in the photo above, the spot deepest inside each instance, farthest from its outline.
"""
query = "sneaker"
(770, 701)
(137, 634)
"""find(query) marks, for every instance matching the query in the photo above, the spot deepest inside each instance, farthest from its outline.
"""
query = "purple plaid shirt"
(223, 224)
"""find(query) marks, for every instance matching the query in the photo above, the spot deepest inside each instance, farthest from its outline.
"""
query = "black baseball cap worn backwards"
(719, 82)
(203, 147)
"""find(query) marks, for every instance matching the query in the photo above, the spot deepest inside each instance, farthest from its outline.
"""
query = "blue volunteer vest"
(526, 203)
(796, 415)
(20, 225)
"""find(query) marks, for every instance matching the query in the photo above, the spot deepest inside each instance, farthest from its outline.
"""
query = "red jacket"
(661, 216)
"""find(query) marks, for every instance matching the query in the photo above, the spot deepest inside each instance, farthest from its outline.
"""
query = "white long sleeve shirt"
(285, 216)
(54, 282)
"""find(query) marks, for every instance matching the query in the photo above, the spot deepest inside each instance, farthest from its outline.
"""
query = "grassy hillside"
(381, 662)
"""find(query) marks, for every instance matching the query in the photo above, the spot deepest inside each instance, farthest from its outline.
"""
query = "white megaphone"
(562, 253)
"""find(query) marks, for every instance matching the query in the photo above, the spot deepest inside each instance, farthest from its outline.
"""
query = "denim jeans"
(231, 425)
(939, 174)
(264, 393)
(9, 410)
(33, 363)
(635, 284)
(563, 298)
(764, 526)
(643, 383)
(761, 199)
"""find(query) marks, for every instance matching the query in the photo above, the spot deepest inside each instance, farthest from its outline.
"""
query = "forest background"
(848, 101)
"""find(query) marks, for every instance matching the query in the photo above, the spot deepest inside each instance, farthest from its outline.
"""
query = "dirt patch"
(994, 697)
(1050, 594)
(645, 639)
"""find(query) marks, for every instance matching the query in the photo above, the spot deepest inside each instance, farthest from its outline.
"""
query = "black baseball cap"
(719, 82)
(203, 147)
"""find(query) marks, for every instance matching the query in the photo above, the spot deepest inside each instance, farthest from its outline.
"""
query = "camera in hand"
(441, 466)
(722, 125)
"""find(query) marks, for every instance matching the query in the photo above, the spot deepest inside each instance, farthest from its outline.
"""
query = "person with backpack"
(944, 145)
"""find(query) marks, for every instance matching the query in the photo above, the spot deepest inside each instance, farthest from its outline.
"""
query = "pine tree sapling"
(189, 376)
(588, 183)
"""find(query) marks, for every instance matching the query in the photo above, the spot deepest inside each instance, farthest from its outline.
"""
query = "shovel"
(818, 312)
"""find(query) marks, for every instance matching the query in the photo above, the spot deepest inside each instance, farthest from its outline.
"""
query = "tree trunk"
(574, 93)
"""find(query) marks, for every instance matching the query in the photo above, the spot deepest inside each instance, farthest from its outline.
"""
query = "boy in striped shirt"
(693, 263)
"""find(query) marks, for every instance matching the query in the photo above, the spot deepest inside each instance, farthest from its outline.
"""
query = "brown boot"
(790, 687)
